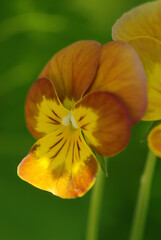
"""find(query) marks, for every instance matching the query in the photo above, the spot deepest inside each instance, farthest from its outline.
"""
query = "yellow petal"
(121, 72)
(43, 110)
(104, 121)
(72, 70)
(149, 51)
(60, 163)
(141, 21)
(154, 140)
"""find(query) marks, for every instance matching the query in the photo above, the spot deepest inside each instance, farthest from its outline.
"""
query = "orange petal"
(141, 21)
(72, 70)
(121, 72)
(104, 121)
(154, 140)
(43, 110)
(60, 163)
(149, 51)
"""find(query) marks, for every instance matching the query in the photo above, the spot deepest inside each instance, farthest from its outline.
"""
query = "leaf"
(103, 163)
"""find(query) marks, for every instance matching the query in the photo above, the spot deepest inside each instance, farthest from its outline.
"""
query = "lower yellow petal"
(60, 163)
(154, 140)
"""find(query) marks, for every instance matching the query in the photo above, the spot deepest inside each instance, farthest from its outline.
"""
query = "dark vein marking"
(85, 125)
(54, 123)
(35, 147)
(81, 118)
(55, 114)
(78, 149)
(73, 153)
(55, 144)
(53, 120)
(157, 90)
(68, 149)
(80, 139)
(59, 134)
(56, 154)
(61, 75)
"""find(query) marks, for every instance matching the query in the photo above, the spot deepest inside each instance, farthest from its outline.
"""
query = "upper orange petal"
(141, 21)
(154, 140)
(43, 110)
(105, 122)
(121, 72)
(73, 69)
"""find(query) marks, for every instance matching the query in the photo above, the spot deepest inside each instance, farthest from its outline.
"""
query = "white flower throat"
(69, 120)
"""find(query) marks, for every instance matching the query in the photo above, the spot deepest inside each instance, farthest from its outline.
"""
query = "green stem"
(94, 208)
(139, 220)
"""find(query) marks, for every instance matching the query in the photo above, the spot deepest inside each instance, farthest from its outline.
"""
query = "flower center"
(70, 121)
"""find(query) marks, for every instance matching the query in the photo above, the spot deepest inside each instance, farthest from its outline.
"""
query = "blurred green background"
(30, 33)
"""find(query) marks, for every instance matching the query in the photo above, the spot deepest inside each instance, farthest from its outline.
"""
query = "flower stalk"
(142, 204)
(95, 208)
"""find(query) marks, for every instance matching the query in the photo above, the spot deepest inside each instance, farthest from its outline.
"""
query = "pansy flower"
(141, 28)
(87, 97)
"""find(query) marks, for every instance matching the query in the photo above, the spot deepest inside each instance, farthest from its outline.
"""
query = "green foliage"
(103, 163)
(150, 127)
(31, 32)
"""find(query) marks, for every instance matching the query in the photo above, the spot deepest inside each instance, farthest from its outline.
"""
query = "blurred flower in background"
(141, 28)
(154, 140)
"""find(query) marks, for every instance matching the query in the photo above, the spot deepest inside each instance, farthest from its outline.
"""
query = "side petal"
(60, 163)
(73, 69)
(141, 21)
(104, 121)
(121, 72)
(43, 110)
(154, 140)
(149, 51)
